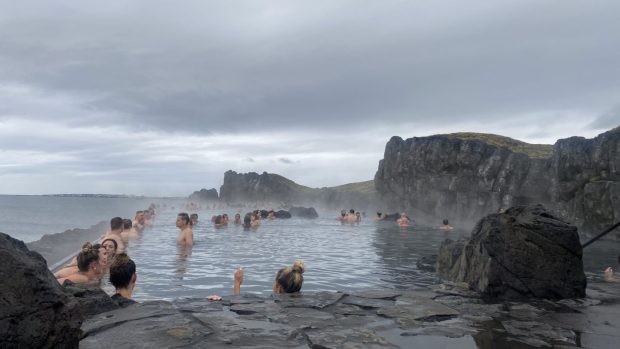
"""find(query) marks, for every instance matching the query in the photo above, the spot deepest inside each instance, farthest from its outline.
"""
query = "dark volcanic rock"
(524, 252)
(92, 299)
(205, 195)
(462, 178)
(449, 253)
(282, 214)
(303, 212)
(34, 310)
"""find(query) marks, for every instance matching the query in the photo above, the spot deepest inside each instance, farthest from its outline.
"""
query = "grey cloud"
(285, 161)
(236, 69)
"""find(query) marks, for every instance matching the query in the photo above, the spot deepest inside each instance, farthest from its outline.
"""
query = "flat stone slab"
(135, 327)
(380, 319)
(367, 303)
(318, 300)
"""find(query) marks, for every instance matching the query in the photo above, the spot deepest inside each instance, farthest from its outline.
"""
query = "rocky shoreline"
(440, 316)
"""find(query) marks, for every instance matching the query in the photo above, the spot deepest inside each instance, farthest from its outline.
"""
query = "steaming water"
(337, 257)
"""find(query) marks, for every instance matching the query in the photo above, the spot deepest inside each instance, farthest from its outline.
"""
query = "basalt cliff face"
(269, 188)
(465, 176)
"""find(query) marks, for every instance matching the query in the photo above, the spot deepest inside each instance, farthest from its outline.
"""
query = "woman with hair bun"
(91, 263)
(288, 279)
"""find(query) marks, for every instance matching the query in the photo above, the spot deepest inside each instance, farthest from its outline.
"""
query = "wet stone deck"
(444, 316)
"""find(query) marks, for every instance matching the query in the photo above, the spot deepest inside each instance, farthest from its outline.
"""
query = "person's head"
(88, 258)
(357, 214)
(446, 222)
(343, 213)
(379, 214)
(403, 215)
(183, 220)
(218, 219)
(127, 224)
(139, 216)
(351, 211)
(116, 223)
(194, 218)
(110, 246)
(289, 279)
(147, 214)
(225, 216)
(123, 272)
(237, 216)
(247, 220)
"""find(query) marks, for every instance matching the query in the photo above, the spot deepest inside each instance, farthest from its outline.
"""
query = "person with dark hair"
(287, 280)
(91, 264)
(218, 221)
(138, 221)
(123, 277)
(247, 221)
(446, 225)
(116, 228)
(186, 235)
(237, 218)
(129, 233)
(380, 216)
(194, 218)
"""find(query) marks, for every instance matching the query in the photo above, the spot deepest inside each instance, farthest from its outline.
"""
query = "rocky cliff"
(269, 188)
(465, 176)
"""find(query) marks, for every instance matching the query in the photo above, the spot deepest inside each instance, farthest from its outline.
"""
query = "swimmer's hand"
(214, 297)
(238, 281)
(609, 273)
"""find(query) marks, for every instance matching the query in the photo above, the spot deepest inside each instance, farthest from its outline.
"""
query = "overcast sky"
(162, 97)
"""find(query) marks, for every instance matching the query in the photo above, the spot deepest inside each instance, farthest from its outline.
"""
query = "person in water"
(138, 222)
(380, 216)
(287, 280)
(91, 264)
(218, 221)
(446, 225)
(342, 218)
(72, 268)
(403, 221)
(123, 277)
(111, 247)
(194, 218)
(247, 221)
(237, 219)
(116, 228)
(129, 233)
(609, 272)
(186, 235)
(225, 219)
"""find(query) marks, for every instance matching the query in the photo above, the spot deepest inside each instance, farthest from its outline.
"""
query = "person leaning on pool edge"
(123, 277)
(288, 280)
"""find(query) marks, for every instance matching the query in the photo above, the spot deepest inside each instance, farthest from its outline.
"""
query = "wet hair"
(218, 220)
(291, 278)
(445, 222)
(247, 220)
(113, 241)
(351, 211)
(127, 223)
(379, 214)
(88, 254)
(138, 212)
(185, 217)
(116, 223)
(193, 215)
(122, 270)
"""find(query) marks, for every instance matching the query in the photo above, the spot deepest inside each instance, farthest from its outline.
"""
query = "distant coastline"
(123, 196)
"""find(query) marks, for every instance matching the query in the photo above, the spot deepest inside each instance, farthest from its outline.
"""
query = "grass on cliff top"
(366, 187)
(537, 151)
(290, 183)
